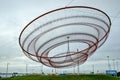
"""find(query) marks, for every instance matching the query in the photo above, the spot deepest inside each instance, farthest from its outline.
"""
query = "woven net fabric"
(66, 36)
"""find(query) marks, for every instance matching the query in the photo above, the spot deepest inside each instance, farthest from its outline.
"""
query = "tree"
(118, 74)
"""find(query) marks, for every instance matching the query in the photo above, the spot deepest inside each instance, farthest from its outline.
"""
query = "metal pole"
(74, 70)
(32, 71)
(117, 65)
(114, 64)
(108, 63)
(7, 69)
(26, 68)
(55, 71)
(78, 65)
(93, 68)
(42, 69)
(68, 44)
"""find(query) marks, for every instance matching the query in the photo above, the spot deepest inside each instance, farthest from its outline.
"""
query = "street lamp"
(117, 65)
(42, 69)
(7, 69)
(93, 68)
(78, 64)
(55, 71)
(26, 68)
(108, 63)
(114, 64)
(73, 69)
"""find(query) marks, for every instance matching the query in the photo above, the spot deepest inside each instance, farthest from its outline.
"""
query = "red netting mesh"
(66, 36)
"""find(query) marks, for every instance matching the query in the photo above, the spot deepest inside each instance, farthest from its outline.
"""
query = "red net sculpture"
(66, 36)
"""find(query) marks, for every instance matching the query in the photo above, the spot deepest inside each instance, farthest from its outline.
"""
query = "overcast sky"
(15, 14)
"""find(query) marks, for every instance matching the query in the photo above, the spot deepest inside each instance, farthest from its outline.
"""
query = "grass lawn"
(66, 77)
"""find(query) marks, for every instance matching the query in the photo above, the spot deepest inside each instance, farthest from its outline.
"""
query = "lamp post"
(42, 69)
(93, 68)
(108, 63)
(114, 64)
(55, 71)
(74, 70)
(117, 65)
(68, 44)
(78, 64)
(26, 68)
(7, 69)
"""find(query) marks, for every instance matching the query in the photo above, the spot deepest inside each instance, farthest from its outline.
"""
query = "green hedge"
(65, 77)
